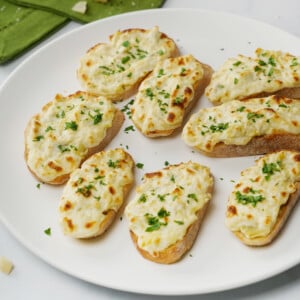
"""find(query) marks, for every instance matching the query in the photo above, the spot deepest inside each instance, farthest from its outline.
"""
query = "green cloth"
(21, 27)
(95, 10)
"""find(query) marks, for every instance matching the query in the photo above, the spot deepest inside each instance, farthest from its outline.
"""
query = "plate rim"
(75, 31)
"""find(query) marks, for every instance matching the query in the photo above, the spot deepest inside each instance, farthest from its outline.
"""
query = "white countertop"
(33, 279)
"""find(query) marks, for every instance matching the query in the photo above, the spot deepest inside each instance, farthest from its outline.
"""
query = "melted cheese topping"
(114, 68)
(166, 203)
(241, 77)
(163, 96)
(255, 201)
(237, 122)
(58, 138)
(94, 189)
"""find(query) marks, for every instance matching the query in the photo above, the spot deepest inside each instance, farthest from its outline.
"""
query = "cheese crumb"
(6, 266)
(80, 7)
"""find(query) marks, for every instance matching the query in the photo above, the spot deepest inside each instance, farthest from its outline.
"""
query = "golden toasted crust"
(110, 133)
(283, 215)
(258, 145)
(176, 251)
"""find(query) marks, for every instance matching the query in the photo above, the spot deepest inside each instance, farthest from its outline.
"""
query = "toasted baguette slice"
(249, 127)
(165, 215)
(268, 73)
(168, 94)
(95, 192)
(116, 69)
(66, 132)
(263, 198)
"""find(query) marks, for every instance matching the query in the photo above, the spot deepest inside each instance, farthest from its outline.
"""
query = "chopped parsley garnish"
(270, 169)
(172, 178)
(126, 108)
(86, 190)
(237, 63)
(97, 118)
(47, 231)
(178, 222)
(129, 128)
(71, 125)
(236, 81)
(251, 198)
(253, 116)
(166, 163)
(113, 164)
(38, 138)
(49, 128)
(125, 44)
(182, 71)
(139, 165)
(240, 109)
(106, 70)
(142, 198)
(38, 185)
(294, 62)
(219, 127)
(154, 221)
(125, 59)
(178, 99)
(163, 213)
(64, 148)
(160, 73)
(149, 93)
(193, 196)
(283, 105)
(160, 52)
(162, 197)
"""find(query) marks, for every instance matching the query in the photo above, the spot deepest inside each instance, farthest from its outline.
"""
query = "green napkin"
(21, 27)
(95, 10)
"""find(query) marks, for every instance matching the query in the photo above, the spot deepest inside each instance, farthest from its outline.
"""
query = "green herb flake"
(253, 116)
(160, 73)
(49, 128)
(113, 164)
(47, 231)
(248, 198)
(270, 169)
(294, 62)
(193, 197)
(85, 190)
(142, 198)
(126, 44)
(125, 59)
(178, 222)
(236, 81)
(241, 109)
(219, 127)
(38, 138)
(139, 165)
(97, 118)
(237, 63)
(129, 128)
(71, 125)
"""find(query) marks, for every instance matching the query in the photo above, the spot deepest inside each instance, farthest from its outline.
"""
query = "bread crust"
(284, 212)
(176, 251)
(110, 133)
(258, 145)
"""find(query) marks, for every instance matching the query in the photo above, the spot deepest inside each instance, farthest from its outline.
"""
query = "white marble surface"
(34, 279)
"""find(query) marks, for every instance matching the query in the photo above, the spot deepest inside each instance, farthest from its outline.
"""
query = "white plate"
(218, 261)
